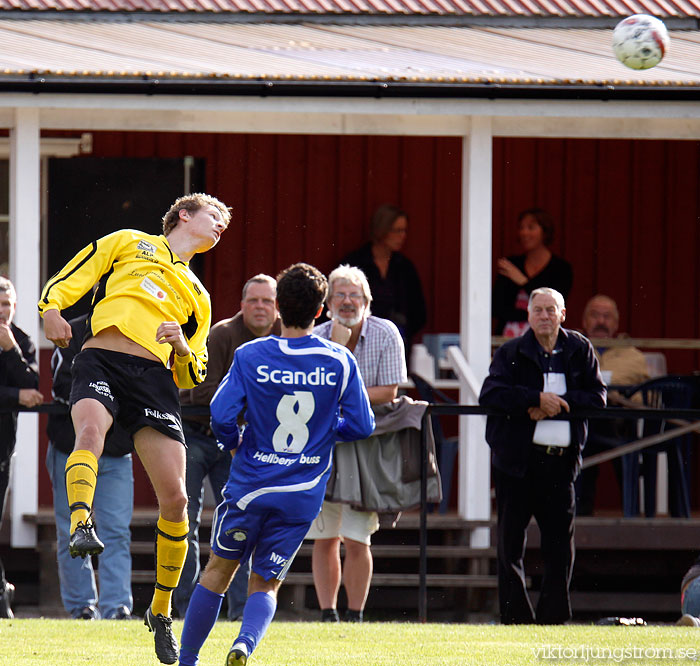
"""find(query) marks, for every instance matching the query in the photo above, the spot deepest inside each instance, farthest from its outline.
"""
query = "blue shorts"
(267, 535)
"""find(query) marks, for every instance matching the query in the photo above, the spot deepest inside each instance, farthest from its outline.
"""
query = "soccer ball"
(640, 41)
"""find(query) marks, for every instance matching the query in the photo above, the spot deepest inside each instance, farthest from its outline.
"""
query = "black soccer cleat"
(166, 644)
(238, 655)
(84, 541)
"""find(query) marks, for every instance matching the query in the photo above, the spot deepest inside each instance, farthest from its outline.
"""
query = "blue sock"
(200, 618)
(257, 615)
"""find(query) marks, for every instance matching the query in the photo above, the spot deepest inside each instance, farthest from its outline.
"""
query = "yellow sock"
(171, 550)
(81, 476)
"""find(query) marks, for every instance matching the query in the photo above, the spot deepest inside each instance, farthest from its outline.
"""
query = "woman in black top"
(397, 293)
(521, 274)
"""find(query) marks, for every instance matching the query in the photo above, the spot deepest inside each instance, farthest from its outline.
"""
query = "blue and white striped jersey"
(300, 396)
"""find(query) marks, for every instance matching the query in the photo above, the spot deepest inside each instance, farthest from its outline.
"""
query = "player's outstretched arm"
(81, 273)
(226, 405)
(57, 329)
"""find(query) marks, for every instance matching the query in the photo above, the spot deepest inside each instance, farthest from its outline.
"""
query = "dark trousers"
(547, 493)
(6, 451)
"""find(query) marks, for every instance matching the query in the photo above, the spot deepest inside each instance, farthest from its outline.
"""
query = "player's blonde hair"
(192, 203)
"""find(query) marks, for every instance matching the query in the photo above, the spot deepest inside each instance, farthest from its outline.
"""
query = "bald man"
(625, 366)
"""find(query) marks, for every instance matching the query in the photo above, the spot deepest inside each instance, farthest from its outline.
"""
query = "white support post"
(25, 267)
(475, 319)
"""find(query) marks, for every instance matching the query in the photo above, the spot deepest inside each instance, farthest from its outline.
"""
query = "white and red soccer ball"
(640, 41)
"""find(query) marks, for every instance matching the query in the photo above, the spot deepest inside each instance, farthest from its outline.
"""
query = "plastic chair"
(656, 364)
(446, 447)
(668, 391)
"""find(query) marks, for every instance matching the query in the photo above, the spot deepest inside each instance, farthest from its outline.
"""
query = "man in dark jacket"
(19, 379)
(547, 371)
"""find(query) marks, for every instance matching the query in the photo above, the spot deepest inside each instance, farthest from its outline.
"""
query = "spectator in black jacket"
(19, 381)
(547, 371)
(113, 505)
(397, 294)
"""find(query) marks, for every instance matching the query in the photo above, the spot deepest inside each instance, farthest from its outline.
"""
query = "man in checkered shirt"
(379, 350)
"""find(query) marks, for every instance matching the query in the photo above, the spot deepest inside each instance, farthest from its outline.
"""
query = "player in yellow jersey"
(146, 336)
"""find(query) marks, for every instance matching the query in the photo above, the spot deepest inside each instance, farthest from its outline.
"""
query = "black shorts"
(137, 391)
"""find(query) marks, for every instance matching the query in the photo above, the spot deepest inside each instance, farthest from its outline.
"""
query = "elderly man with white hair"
(378, 347)
(547, 371)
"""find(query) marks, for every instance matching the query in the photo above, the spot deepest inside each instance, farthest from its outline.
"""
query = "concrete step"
(403, 551)
(378, 579)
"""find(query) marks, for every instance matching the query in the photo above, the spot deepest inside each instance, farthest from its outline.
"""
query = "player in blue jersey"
(301, 394)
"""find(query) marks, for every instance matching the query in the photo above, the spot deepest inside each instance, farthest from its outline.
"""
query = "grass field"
(39, 642)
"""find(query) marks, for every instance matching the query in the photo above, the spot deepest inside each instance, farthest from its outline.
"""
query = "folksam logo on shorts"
(102, 388)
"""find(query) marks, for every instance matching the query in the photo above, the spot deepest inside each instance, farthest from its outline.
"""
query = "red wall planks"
(627, 214)
(627, 211)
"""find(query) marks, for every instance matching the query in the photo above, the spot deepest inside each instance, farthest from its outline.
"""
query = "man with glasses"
(378, 347)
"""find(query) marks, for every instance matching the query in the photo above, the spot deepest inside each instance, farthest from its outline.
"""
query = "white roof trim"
(338, 116)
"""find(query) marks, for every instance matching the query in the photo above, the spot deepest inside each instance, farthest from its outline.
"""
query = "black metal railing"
(686, 420)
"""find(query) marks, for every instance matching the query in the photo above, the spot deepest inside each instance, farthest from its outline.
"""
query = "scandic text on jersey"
(319, 376)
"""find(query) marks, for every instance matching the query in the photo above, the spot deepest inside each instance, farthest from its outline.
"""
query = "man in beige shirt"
(622, 366)
(627, 365)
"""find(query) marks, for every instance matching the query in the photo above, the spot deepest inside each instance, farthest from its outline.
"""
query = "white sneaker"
(689, 621)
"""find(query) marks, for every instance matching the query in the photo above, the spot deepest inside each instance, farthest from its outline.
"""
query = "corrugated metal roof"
(109, 51)
(502, 8)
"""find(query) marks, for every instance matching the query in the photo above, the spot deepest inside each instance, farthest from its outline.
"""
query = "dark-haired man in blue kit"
(301, 394)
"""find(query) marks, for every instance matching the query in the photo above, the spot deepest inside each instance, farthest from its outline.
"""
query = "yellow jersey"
(142, 284)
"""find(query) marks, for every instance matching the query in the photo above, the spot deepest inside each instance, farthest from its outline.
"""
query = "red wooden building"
(462, 113)
(627, 213)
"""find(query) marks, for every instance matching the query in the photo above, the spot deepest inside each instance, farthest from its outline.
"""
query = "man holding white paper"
(547, 371)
